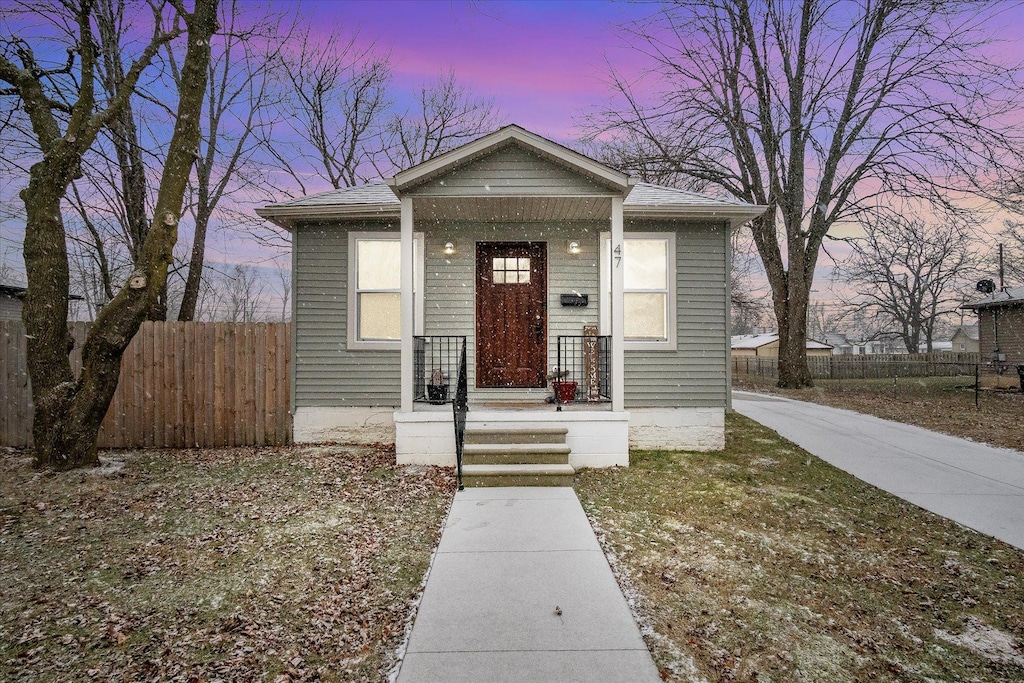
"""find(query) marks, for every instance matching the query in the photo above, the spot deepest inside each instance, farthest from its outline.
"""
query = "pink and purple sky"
(545, 62)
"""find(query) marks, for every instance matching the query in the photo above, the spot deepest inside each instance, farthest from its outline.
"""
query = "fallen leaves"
(278, 564)
(798, 571)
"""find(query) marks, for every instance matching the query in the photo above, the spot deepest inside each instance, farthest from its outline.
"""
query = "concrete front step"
(517, 475)
(515, 454)
(517, 435)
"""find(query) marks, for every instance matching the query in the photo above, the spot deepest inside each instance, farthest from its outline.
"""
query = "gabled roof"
(970, 330)
(509, 135)
(377, 200)
(1011, 296)
(756, 341)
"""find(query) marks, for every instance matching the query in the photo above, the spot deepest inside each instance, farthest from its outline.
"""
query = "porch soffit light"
(449, 248)
(573, 248)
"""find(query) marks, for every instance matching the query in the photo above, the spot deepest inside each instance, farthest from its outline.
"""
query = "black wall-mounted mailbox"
(575, 299)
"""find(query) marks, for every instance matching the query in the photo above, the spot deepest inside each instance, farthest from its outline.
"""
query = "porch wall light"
(449, 248)
(573, 248)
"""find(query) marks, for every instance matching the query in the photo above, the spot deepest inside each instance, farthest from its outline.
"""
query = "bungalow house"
(1001, 327)
(593, 309)
(767, 346)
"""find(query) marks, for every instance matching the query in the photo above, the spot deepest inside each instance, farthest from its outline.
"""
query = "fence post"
(977, 378)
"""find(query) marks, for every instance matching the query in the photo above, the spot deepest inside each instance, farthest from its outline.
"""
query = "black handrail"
(460, 406)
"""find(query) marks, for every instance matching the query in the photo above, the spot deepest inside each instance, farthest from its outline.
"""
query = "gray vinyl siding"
(326, 372)
(508, 171)
(694, 375)
(450, 281)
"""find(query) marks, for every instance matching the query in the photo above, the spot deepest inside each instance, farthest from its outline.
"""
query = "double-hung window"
(375, 289)
(648, 297)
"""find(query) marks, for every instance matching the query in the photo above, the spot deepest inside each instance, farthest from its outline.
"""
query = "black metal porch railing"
(435, 368)
(460, 406)
(584, 369)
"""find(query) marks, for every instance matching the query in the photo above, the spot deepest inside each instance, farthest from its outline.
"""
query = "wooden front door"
(511, 314)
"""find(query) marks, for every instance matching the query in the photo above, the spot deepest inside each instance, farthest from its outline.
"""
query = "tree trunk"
(68, 413)
(190, 297)
(45, 315)
(791, 313)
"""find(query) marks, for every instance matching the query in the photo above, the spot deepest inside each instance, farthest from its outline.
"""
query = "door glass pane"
(498, 277)
(379, 264)
(524, 264)
(644, 315)
(645, 264)
(380, 316)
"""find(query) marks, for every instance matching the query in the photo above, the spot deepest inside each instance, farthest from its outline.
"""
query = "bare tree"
(1012, 239)
(235, 118)
(910, 274)
(243, 294)
(819, 111)
(749, 305)
(67, 114)
(445, 115)
(337, 96)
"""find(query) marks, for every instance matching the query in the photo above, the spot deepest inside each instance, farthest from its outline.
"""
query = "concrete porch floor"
(509, 560)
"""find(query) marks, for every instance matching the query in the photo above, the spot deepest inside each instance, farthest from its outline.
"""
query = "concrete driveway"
(979, 486)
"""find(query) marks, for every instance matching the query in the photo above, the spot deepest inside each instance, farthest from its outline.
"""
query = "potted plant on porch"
(564, 390)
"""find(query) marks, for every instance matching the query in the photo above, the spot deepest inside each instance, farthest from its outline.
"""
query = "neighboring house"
(767, 346)
(545, 261)
(965, 339)
(841, 345)
(1001, 326)
(10, 302)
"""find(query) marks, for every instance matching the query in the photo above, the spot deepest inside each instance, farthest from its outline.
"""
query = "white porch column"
(618, 333)
(408, 313)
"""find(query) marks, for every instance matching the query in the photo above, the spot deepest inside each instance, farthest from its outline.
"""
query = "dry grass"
(765, 563)
(235, 564)
(942, 404)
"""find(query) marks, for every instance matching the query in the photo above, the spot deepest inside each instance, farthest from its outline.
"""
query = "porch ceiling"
(500, 209)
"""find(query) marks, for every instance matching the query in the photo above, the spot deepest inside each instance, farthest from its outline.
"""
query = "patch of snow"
(987, 641)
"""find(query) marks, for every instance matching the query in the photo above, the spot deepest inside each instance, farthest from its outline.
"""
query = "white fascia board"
(737, 215)
(413, 176)
(287, 217)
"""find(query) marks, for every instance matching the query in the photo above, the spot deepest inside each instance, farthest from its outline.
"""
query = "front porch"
(551, 266)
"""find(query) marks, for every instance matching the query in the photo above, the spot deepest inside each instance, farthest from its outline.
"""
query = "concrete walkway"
(509, 560)
(979, 486)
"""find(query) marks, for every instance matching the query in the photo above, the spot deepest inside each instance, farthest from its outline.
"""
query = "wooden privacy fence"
(182, 385)
(877, 366)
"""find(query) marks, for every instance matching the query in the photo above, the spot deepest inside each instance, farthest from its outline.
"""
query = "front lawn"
(765, 563)
(238, 564)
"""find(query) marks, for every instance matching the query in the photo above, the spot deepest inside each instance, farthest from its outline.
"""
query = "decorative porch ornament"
(437, 390)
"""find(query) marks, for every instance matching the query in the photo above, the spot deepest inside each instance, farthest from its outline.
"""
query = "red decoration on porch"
(565, 392)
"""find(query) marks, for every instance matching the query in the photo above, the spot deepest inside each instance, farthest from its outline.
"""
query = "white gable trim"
(449, 160)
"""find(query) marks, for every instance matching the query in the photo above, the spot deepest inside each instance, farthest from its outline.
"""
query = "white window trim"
(355, 344)
(606, 288)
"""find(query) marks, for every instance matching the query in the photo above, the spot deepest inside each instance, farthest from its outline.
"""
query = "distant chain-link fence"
(965, 372)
